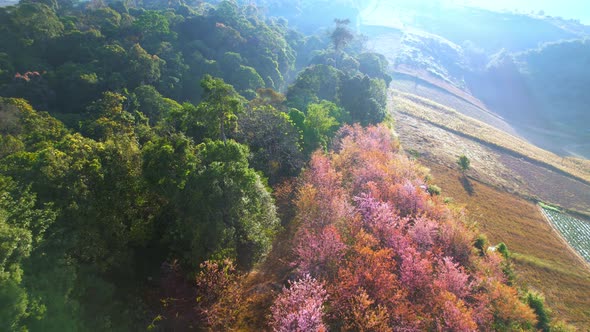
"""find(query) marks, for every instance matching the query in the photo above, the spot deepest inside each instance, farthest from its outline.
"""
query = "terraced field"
(574, 230)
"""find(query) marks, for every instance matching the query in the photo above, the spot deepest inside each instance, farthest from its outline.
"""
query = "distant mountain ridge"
(4, 3)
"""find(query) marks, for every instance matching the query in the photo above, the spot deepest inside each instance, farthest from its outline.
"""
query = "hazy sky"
(570, 9)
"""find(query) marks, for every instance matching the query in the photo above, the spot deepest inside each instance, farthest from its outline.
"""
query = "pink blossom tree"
(452, 278)
(299, 307)
(319, 253)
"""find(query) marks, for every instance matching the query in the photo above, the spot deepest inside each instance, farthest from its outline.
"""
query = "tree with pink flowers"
(299, 307)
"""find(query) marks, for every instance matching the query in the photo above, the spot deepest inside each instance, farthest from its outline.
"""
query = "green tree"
(374, 65)
(319, 82)
(108, 118)
(537, 303)
(273, 140)
(22, 229)
(243, 78)
(153, 104)
(152, 27)
(320, 124)
(235, 216)
(507, 267)
(341, 35)
(103, 216)
(168, 163)
(222, 104)
(464, 163)
(363, 98)
(143, 67)
(75, 86)
(36, 22)
(106, 20)
(79, 47)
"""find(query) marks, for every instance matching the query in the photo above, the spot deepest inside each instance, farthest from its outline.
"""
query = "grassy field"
(542, 260)
(452, 120)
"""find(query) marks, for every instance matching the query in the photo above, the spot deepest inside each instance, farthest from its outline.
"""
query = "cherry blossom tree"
(299, 307)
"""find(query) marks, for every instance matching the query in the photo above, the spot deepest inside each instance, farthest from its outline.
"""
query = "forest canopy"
(150, 154)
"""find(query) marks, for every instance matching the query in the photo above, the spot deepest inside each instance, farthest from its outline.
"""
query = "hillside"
(386, 253)
(4, 3)
(249, 165)
(140, 140)
(541, 259)
(528, 69)
(453, 121)
(489, 30)
(499, 193)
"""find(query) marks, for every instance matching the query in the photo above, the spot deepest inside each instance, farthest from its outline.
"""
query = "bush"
(481, 242)
(434, 190)
(537, 303)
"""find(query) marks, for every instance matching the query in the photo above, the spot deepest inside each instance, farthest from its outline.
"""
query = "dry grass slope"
(454, 121)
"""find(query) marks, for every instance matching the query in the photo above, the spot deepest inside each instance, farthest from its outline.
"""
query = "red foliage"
(452, 278)
(27, 77)
(219, 293)
(416, 274)
(424, 233)
(210, 301)
(285, 194)
(325, 202)
(455, 316)
(368, 289)
(506, 306)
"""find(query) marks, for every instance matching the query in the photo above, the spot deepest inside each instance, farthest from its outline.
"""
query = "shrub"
(434, 190)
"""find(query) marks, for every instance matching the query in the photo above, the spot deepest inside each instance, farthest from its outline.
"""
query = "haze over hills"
(530, 70)
(7, 2)
(568, 9)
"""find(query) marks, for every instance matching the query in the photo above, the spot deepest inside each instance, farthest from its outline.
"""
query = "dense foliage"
(138, 147)
(114, 209)
(169, 131)
(372, 250)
